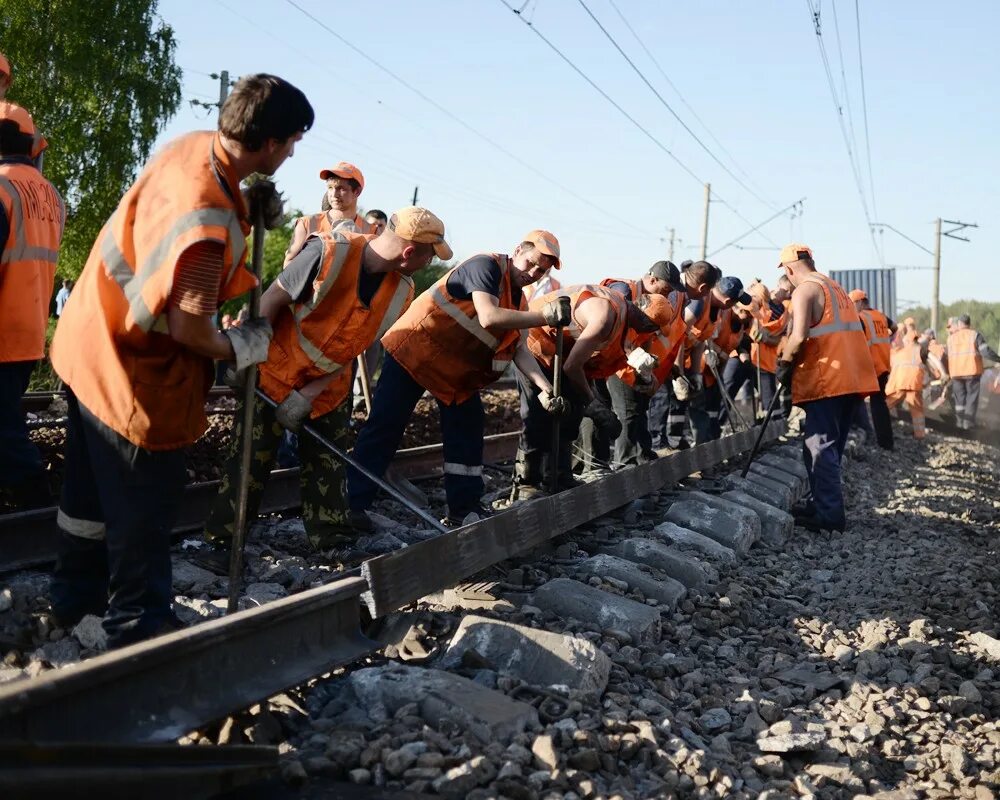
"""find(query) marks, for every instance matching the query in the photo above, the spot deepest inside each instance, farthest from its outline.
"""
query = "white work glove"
(264, 196)
(642, 362)
(558, 312)
(250, 341)
(711, 359)
(293, 411)
(604, 418)
(682, 388)
(552, 404)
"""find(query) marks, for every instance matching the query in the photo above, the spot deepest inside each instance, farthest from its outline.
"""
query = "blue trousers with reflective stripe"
(827, 424)
(462, 425)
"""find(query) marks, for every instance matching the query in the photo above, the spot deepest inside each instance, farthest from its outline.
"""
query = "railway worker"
(755, 363)
(728, 327)
(879, 330)
(547, 283)
(629, 390)
(377, 220)
(456, 338)
(31, 225)
(38, 142)
(336, 297)
(602, 331)
(344, 184)
(135, 347)
(967, 348)
(906, 379)
(668, 407)
(827, 365)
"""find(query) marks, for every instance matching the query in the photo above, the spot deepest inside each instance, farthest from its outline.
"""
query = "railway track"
(183, 681)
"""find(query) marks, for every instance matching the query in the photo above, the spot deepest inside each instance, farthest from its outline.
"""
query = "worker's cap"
(857, 294)
(657, 308)
(667, 271)
(344, 170)
(15, 113)
(415, 224)
(4, 65)
(546, 242)
(791, 253)
(733, 289)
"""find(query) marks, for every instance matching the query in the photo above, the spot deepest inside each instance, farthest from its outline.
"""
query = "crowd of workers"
(620, 368)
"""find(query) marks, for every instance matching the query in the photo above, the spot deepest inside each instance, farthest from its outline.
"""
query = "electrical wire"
(796, 206)
(864, 109)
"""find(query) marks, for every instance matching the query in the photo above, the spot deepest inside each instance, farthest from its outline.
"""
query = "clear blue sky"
(751, 71)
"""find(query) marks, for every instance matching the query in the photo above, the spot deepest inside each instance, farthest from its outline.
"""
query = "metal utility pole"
(670, 248)
(704, 227)
(416, 189)
(938, 233)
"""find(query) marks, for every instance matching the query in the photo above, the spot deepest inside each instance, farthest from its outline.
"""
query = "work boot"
(461, 518)
(817, 524)
(213, 556)
(529, 483)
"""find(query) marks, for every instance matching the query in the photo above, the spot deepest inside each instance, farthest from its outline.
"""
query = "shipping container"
(878, 284)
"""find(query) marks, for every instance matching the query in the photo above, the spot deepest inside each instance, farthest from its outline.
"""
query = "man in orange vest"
(828, 367)
(336, 297)
(456, 338)
(31, 225)
(135, 347)
(906, 379)
(727, 331)
(879, 330)
(966, 350)
(344, 184)
(38, 142)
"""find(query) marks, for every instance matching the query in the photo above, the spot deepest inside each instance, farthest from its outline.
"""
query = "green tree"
(100, 81)
(430, 274)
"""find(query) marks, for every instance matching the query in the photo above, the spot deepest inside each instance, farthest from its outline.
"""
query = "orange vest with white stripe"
(609, 357)
(879, 338)
(35, 215)
(835, 359)
(964, 360)
(907, 372)
(763, 354)
(441, 344)
(112, 345)
(664, 344)
(323, 334)
(321, 223)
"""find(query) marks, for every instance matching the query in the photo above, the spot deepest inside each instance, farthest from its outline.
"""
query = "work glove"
(682, 388)
(784, 374)
(711, 359)
(642, 362)
(604, 419)
(293, 411)
(263, 196)
(558, 312)
(756, 334)
(552, 404)
(250, 341)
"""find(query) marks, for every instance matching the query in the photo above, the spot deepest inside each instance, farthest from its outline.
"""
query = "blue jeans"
(827, 423)
(462, 427)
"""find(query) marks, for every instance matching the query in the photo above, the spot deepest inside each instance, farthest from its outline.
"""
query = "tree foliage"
(985, 318)
(100, 81)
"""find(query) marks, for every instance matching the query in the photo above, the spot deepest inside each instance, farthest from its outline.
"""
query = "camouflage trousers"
(322, 478)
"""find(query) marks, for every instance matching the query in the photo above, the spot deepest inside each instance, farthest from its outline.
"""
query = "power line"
(667, 105)
(796, 206)
(864, 109)
(843, 78)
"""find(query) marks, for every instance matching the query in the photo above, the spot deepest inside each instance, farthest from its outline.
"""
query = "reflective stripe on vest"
(873, 337)
(20, 250)
(470, 324)
(131, 283)
(837, 325)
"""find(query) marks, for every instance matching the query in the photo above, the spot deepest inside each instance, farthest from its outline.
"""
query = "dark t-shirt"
(622, 288)
(297, 278)
(479, 274)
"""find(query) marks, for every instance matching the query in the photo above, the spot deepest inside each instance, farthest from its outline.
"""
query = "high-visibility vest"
(321, 223)
(634, 287)
(112, 345)
(835, 359)
(964, 360)
(35, 215)
(544, 286)
(323, 334)
(664, 344)
(907, 372)
(609, 356)
(441, 344)
(879, 338)
(763, 354)
(700, 330)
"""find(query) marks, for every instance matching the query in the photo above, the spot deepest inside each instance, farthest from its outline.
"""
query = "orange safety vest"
(544, 286)
(700, 330)
(112, 345)
(610, 356)
(441, 344)
(835, 359)
(35, 215)
(321, 223)
(907, 373)
(879, 338)
(725, 339)
(323, 334)
(635, 287)
(763, 354)
(663, 344)
(964, 360)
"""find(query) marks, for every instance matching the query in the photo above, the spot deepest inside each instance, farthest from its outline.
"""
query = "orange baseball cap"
(544, 241)
(857, 294)
(415, 224)
(16, 113)
(344, 170)
(792, 252)
(5, 65)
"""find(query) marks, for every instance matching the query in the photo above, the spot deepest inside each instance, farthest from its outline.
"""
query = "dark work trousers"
(462, 428)
(592, 449)
(767, 386)
(534, 445)
(635, 445)
(659, 408)
(19, 458)
(881, 421)
(826, 426)
(677, 420)
(735, 375)
(965, 392)
(119, 503)
(704, 414)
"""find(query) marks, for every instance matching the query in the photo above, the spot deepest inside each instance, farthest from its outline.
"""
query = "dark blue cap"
(733, 289)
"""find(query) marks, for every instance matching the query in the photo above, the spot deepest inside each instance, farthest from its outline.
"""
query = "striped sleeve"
(197, 276)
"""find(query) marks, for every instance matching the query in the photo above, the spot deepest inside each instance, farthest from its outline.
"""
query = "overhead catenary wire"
(790, 207)
(864, 109)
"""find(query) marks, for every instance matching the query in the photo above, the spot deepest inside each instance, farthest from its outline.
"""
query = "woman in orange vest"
(135, 347)
(906, 380)
(827, 365)
(458, 337)
(31, 225)
(337, 296)
(966, 350)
